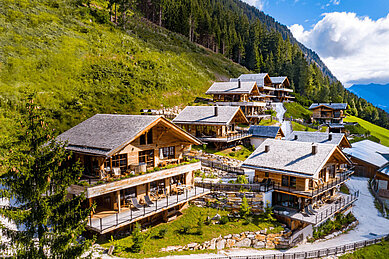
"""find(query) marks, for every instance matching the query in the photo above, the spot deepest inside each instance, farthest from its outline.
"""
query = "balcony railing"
(342, 177)
(232, 187)
(238, 135)
(116, 220)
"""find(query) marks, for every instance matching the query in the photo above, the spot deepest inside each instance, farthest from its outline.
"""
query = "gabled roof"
(279, 79)
(384, 169)
(105, 134)
(334, 106)
(206, 115)
(370, 152)
(265, 131)
(232, 88)
(319, 137)
(259, 78)
(292, 157)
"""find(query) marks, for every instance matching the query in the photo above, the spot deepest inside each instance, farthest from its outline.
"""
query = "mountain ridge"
(377, 94)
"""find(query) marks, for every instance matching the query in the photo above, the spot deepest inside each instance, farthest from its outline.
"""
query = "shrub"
(224, 220)
(242, 179)
(161, 233)
(245, 209)
(138, 239)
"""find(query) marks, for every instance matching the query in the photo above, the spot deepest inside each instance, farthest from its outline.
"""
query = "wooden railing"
(237, 135)
(234, 187)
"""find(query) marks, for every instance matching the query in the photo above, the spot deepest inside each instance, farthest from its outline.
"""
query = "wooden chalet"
(306, 177)
(371, 160)
(338, 139)
(264, 84)
(282, 89)
(134, 168)
(260, 133)
(331, 114)
(214, 124)
(242, 94)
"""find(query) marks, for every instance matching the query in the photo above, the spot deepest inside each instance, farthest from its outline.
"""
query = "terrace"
(108, 220)
(334, 182)
(323, 212)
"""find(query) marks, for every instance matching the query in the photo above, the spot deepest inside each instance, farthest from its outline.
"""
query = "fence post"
(117, 218)
(167, 199)
(156, 204)
(101, 224)
(144, 210)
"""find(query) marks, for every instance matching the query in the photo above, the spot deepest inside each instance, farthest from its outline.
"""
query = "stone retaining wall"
(231, 201)
(258, 239)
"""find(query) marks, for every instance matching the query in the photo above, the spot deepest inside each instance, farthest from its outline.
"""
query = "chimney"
(267, 148)
(330, 136)
(314, 149)
(295, 137)
(238, 83)
(216, 110)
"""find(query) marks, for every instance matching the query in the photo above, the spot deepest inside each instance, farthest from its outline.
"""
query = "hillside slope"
(79, 67)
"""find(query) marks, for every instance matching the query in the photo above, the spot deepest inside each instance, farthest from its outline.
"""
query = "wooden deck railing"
(233, 187)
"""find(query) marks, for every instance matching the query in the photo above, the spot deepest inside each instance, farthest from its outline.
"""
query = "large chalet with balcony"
(216, 125)
(305, 177)
(134, 169)
(331, 114)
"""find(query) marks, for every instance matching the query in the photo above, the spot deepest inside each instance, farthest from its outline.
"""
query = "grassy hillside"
(377, 251)
(376, 131)
(297, 111)
(79, 65)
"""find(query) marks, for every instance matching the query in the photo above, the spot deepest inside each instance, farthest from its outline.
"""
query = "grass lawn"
(297, 111)
(191, 216)
(241, 154)
(377, 251)
(376, 131)
(266, 122)
(298, 127)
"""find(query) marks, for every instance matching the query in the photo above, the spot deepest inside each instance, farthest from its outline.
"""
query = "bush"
(224, 220)
(161, 233)
(245, 209)
(138, 239)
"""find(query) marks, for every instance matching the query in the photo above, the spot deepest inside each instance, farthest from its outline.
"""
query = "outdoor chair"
(311, 209)
(307, 212)
(135, 203)
(148, 200)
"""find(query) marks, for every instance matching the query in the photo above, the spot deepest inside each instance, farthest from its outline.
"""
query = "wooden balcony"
(226, 139)
(324, 212)
(338, 180)
(250, 103)
(104, 187)
(106, 221)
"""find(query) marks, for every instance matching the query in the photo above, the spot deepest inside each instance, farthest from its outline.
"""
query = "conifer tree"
(37, 172)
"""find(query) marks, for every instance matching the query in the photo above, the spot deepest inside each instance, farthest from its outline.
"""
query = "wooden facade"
(324, 114)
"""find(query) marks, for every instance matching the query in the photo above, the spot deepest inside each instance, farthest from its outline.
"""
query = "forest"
(249, 37)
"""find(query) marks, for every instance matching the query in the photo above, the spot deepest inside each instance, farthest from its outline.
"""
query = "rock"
(251, 236)
(270, 245)
(228, 236)
(230, 243)
(221, 244)
(212, 244)
(245, 242)
(216, 217)
(263, 231)
(191, 246)
(260, 237)
(271, 228)
(172, 248)
(236, 236)
(259, 244)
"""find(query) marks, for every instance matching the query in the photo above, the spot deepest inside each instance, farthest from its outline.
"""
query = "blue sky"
(350, 36)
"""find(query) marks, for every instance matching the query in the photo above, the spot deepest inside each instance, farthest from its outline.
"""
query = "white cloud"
(260, 4)
(354, 48)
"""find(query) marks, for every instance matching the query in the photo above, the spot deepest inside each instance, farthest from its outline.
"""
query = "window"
(118, 161)
(150, 136)
(146, 138)
(147, 157)
(285, 180)
(142, 139)
(292, 181)
(167, 152)
(266, 174)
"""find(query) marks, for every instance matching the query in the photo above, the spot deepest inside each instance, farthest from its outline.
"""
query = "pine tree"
(38, 171)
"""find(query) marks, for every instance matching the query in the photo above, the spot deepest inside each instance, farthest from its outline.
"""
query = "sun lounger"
(311, 209)
(135, 203)
(306, 210)
(148, 200)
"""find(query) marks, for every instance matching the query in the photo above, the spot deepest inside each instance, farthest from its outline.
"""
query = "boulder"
(251, 236)
(221, 244)
(172, 248)
(228, 236)
(230, 243)
(216, 217)
(191, 246)
(270, 245)
(260, 237)
(212, 244)
(259, 244)
(245, 242)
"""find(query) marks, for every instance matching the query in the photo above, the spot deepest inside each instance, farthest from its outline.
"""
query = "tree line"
(233, 29)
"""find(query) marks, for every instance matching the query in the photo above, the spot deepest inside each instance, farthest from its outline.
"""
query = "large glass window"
(167, 152)
(288, 181)
(118, 161)
(285, 180)
(147, 157)
(146, 138)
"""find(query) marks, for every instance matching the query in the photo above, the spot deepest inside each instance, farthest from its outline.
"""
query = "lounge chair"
(148, 201)
(311, 209)
(306, 210)
(135, 203)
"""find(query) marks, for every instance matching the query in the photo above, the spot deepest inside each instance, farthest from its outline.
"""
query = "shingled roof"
(259, 78)
(335, 106)
(264, 131)
(104, 134)
(291, 157)
(278, 79)
(206, 115)
(231, 88)
(318, 137)
(370, 152)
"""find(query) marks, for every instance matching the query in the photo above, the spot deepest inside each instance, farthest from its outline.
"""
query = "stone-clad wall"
(232, 200)
(257, 239)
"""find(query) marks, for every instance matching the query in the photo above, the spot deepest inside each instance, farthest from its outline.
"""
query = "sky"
(350, 36)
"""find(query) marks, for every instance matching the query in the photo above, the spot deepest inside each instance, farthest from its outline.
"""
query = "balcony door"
(147, 156)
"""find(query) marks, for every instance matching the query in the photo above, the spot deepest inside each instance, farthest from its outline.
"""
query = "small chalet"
(329, 113)
(338, 139)
(264, 84)
(371, 160)
(214, 124)
(305, 176)
(260, 133)
(242, 94)
(134, 168)
(282, 88)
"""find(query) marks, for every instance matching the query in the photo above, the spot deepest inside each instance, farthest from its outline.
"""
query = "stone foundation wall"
(231, 201)
(257, 239)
